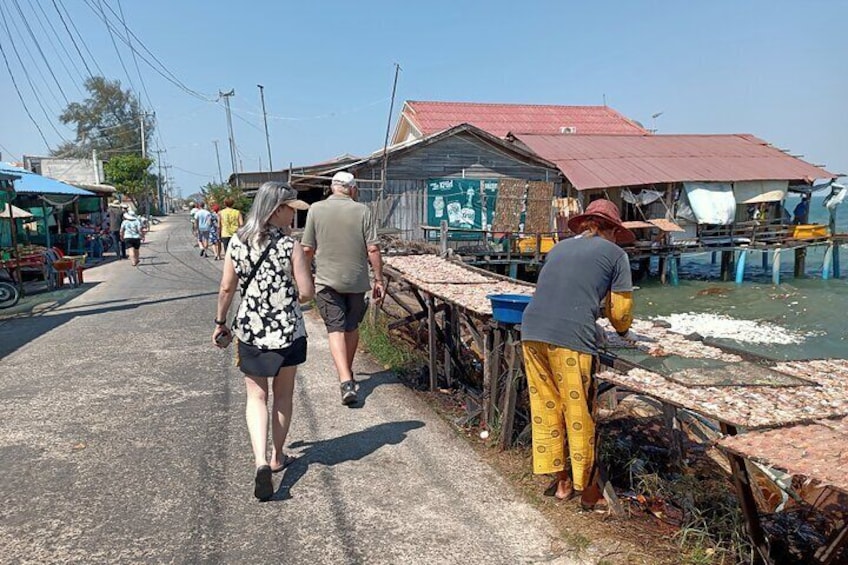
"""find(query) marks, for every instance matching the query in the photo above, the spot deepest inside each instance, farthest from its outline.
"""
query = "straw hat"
(607, 213)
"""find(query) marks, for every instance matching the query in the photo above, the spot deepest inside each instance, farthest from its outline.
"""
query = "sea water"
(799, 319)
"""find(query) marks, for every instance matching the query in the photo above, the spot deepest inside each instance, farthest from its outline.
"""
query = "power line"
(49, 36)
(74, 41)
(23, 103)
(40, 51)
(26, 75)
(132, 51)
(21, 40)
(82, 40)
(114, 43)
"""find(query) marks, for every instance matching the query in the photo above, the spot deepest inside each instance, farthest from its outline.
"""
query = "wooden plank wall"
(459, 156)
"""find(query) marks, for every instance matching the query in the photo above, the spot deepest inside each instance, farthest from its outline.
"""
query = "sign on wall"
(464, 203)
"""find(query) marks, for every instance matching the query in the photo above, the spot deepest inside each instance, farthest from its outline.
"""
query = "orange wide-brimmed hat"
(607, 212)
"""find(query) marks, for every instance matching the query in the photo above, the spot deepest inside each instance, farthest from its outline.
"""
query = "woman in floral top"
(273, 274)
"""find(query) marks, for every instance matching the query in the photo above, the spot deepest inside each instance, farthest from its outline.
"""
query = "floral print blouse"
(269, 315)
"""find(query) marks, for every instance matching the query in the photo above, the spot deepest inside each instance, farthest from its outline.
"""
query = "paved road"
(122, 439)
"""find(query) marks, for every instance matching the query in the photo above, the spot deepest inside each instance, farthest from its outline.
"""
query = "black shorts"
(258, 362)
(341, 312)
(133, 242)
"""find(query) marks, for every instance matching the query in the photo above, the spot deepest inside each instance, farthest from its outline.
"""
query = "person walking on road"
(203, 218)
(341, 235)
(274, 275)
(215, 232)
(116, 218)
(131, 235)
(231, 221)
(195, 208)
(560, 343)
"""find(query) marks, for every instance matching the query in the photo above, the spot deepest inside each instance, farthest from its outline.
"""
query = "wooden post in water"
(836, 273)
(765, 261)
(663, 268)
(800, 262)
(740, 266)
(775, 267)
(726, 260)
(673, 264)
(713, 258)
(827, 263)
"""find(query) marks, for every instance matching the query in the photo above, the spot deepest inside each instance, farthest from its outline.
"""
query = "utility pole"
(143, 140)
(383, 173)
(218, 158)
(226, 96)
(267, 136)
(160, 200)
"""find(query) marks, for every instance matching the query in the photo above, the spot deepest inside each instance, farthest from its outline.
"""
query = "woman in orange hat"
(559, 339)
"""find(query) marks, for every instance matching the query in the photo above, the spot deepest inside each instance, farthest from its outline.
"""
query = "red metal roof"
(605, 161)
(500, 119)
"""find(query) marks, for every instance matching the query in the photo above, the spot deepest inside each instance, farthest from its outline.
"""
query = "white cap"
(344, 178)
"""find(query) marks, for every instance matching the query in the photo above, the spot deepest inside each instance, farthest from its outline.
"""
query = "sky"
(775, 68)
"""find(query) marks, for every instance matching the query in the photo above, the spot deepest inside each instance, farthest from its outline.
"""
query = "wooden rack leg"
(431, 341)
(742, 482)
(510, 392)
(447, 324)
(672, 424)
(826, 554)
(494, 385)
(488, 374)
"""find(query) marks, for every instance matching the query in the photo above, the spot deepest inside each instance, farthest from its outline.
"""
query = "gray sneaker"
(348, 389)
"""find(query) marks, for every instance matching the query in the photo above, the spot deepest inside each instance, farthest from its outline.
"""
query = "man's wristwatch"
(220, 322)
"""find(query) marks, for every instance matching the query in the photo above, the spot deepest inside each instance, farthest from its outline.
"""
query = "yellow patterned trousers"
(561, 393)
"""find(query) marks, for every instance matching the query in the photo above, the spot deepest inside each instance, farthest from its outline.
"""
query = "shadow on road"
(350, 447)
(17, 332)
(366, 386)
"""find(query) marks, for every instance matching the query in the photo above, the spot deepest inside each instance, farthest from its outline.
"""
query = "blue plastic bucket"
(508, 308)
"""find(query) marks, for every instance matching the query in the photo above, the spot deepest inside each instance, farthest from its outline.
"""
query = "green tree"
(129, 174)
(107, 121)
(215, 193)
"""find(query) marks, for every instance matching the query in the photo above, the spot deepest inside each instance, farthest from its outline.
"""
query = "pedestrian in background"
(559, 338)
(215, 232)
(116, 218)
(132, 233)
(195, 208)
(231, 221)
(274, 275)
(203, 217)
(341, 235)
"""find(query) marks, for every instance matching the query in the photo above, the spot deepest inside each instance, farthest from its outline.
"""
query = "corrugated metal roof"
(31, 183)
(501, 119)
(606, 161)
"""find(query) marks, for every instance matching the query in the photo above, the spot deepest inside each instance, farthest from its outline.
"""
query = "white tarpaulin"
(711, 202)
(755, 192)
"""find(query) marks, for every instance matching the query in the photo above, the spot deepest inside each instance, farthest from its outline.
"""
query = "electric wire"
(40, 51)
(114, 43)
(35, 91)
(73, 41)
(20, 96)
(20, 40)
(50, 34)
(82, 40)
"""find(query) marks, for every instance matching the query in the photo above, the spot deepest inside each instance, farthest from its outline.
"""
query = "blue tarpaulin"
(31, 183)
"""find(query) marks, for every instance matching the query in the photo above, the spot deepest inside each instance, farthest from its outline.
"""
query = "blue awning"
(31, 183)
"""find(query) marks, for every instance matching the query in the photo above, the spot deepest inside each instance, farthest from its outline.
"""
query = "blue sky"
(777, 69)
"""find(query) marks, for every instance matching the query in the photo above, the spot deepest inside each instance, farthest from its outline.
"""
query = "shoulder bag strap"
(258, 264)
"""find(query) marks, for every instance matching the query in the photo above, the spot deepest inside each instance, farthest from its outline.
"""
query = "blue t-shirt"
(131, 229)
(204, 220)
(577, 275)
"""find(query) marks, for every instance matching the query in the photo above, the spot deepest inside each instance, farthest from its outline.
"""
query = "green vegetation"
(129, 174)
(388, 350)
(215, 193)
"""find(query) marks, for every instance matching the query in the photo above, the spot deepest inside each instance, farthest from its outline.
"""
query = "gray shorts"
(341, 312)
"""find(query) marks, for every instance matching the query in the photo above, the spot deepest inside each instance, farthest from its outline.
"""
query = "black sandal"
(263, 488)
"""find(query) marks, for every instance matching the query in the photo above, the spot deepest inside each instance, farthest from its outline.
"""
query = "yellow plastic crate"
(809, 231)
(528, 244)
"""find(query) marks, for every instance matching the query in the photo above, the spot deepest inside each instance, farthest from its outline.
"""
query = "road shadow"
(17, 332)
(364, 387)
(350, 447)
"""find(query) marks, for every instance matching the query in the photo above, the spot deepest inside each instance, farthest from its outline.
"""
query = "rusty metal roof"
(817, 451)
(607, 161)
(501, 119)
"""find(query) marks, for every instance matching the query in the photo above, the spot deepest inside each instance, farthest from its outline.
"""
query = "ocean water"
(815, 311)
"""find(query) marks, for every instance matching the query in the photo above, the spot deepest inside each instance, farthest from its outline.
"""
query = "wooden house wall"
(458, 156)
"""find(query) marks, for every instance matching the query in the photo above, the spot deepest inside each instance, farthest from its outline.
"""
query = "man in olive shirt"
(340, 233)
